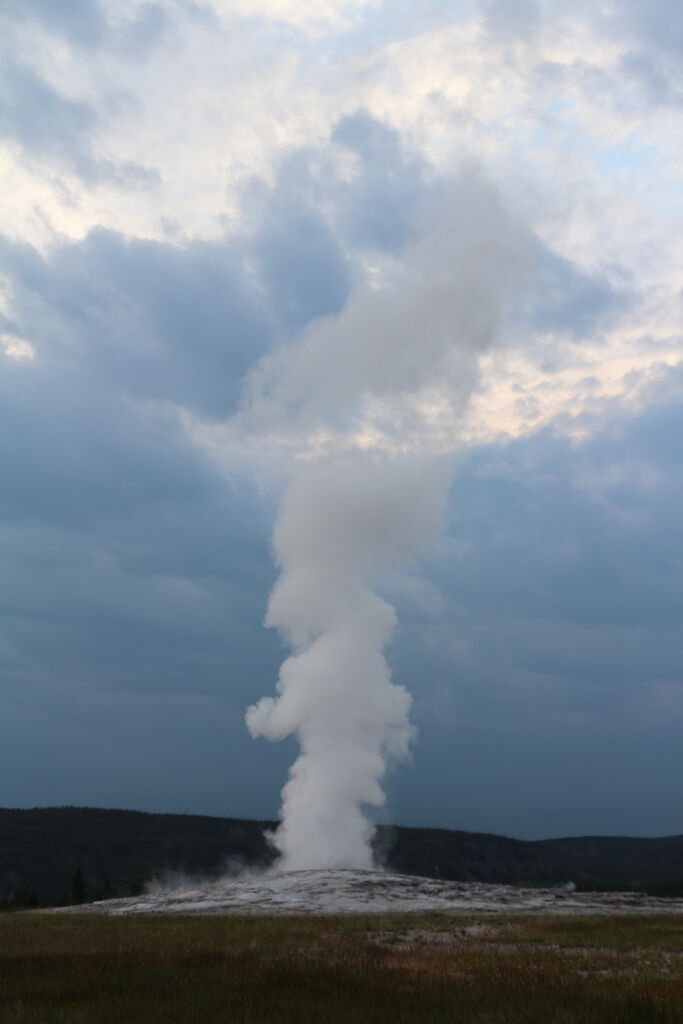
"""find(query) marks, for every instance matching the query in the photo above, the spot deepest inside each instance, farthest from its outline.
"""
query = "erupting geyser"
(371, 399)
(338, 524)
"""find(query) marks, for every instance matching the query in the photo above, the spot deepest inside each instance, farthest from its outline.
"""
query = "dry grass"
(428, 968)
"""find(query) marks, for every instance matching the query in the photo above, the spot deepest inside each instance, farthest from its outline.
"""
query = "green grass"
(424, 968)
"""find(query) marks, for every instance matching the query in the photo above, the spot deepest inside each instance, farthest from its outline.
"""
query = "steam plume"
(337, 525)
(362, 396)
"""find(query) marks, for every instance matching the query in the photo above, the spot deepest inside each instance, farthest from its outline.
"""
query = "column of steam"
(345, 518)
(338, 524)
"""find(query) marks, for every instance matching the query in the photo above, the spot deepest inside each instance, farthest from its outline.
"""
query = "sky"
(193, 191)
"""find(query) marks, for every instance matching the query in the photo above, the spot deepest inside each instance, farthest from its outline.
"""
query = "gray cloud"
(510, 19)
(50, 126)
(556, 656)
(82, 22)
(149, 320)
(301, 261)
(653, 65)
(377, 207)
(85, 23)
(659, 23)
(657, 85)
(547, 679)
(140, 36)
(563, 297)
(314, 217)
(45, 123)
(652, 34)
(547, 688)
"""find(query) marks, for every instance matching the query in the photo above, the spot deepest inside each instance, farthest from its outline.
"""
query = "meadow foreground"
(423, 967)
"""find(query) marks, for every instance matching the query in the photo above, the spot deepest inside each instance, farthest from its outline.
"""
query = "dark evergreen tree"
(23, 898)
(79, 889)
(105, 891)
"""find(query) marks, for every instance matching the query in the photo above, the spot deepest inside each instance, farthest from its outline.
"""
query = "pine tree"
(78, 887)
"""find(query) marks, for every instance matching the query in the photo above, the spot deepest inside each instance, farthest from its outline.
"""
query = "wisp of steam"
(369, 401)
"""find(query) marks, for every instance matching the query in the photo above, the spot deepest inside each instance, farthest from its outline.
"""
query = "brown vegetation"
(427, 968)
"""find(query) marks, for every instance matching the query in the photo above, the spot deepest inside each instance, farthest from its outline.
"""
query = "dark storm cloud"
(139, 572)
(553, 668)
(546, 688)
(131, 615)
(301, 261)
(136, 566)
(117, 609)
(62, 473)
(147, 319)
(315, 215)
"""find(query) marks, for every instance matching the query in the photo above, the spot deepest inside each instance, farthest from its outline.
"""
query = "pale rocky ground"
(368, 892)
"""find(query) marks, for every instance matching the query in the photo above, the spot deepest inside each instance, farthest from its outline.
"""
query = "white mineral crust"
(369, 892)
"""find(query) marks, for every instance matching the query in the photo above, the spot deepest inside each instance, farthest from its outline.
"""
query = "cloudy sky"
(192, 187)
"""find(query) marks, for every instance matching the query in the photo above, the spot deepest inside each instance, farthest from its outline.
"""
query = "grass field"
(423, 968)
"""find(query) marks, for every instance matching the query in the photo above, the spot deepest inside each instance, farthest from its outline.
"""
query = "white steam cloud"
(368, 399)
(338, 525)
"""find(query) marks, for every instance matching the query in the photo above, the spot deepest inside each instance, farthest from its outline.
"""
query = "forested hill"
(71, 854)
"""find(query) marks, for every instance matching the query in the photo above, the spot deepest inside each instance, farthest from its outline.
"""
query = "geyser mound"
(346, 891)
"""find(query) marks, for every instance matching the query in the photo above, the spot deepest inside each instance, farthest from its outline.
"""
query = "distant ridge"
(63, 855)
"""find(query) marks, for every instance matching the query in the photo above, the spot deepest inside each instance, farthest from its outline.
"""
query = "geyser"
(369, 402)
(339, 524)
